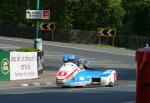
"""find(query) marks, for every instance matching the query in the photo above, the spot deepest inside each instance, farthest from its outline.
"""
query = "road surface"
(122, 60)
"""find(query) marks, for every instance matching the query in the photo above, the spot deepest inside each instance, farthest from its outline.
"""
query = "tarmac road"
(67, 95)
(122, 60)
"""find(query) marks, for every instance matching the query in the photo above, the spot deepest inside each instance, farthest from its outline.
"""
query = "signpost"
(111, 32)
(106, 32)
(37, 14)
(47, 26)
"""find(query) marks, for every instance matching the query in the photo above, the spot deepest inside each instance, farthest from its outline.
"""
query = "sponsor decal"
(81, 78)
(79, 83)
(66, 78)
(5, 66)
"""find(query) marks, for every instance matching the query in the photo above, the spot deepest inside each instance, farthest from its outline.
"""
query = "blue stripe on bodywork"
(87, 75)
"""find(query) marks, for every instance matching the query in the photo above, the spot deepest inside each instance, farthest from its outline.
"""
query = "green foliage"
(130, 17)
(27, 49)
(12, 12)
(137, 18)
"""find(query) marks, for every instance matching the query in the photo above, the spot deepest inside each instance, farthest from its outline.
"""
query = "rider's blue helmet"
(66, 58)
(71, 57)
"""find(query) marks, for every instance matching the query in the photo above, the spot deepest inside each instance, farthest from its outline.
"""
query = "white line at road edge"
(8, 46)
(32, 92)
(70, 47)
(132, 85)
(129, 102)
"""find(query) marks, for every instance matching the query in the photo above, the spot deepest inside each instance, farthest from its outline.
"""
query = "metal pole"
(37, 22)
(99, 40)
(52, 35)
(107, 40)
(36, 44)
(28, 4)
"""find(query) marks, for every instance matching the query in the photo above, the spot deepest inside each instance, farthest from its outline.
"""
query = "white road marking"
(7, 46)
(49, 83)
(54, 55)
(3, 88)
(24, 85)
(120, 66)
(131, 85)
(27, 92)
(28, 85)
(89, 49)
(95, 88)
(129, 102)
(36, 84)
(102, 51)
(6, 38)
(105, 61)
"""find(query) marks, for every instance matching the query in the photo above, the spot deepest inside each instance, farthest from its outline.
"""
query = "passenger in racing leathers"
(80, 62)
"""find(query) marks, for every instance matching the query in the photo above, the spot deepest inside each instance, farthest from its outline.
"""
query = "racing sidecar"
(71, 75)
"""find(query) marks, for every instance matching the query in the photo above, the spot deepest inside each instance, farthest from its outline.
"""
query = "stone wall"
(62, 35)
(14, 31)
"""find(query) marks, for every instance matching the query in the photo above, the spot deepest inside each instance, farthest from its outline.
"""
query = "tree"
(137, 17)
(127, 16)
(12, 12)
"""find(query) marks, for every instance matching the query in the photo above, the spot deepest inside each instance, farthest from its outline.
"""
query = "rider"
(82, 63)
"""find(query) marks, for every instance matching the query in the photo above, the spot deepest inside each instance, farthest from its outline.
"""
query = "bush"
(27, 49)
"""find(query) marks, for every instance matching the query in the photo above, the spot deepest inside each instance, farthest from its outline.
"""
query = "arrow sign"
(47, 26)
(101, 32)
(106, 32)
(109, 32)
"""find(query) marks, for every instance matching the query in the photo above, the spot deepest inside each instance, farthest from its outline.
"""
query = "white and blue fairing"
(71, 75)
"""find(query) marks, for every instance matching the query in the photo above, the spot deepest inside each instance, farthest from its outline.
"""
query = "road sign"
(106, 32)
(47, 26)
(37, 14)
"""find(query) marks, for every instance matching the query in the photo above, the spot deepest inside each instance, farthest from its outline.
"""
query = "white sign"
(23, 65)
(37, 14)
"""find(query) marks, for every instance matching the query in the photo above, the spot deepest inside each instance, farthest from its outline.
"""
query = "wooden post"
(113, 41)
